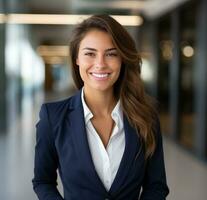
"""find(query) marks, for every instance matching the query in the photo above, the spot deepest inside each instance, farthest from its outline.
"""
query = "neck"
(100, 103)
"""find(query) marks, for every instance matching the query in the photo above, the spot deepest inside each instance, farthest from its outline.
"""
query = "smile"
(104, 75)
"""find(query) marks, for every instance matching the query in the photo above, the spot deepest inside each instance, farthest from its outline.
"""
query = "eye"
(91, 54)
(111, 54)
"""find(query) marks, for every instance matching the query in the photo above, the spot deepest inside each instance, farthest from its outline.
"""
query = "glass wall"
(165, 56)
(179, 38)
(187, 45)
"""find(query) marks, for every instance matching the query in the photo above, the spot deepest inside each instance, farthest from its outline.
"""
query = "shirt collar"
(87, 112)
(116, 114)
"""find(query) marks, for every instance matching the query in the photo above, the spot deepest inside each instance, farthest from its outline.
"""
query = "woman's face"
(99, 61)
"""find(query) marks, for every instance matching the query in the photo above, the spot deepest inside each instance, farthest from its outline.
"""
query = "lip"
(100, 76)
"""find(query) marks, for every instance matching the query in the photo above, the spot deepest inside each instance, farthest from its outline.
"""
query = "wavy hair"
(137, 106)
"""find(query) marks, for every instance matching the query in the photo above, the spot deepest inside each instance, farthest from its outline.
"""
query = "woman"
(105, 140)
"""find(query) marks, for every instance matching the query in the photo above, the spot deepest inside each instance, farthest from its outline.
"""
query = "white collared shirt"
(106, 160)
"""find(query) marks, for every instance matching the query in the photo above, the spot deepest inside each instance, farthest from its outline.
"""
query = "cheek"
(82, 72)
(84, 61)
(118, 70)
(118, 63)
(117, 67)
(118, 73)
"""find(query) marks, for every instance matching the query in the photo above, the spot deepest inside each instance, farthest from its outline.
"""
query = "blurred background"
(34, 68)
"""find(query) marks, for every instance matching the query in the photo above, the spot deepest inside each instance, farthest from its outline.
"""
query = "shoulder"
(57, 106)
(55, 111)
(157, 134)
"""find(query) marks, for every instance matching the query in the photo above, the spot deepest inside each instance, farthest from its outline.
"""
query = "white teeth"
(100, 75)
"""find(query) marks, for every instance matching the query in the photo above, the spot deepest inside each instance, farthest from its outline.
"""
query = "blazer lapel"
(79, 136)
(132, 143)
(77, 125)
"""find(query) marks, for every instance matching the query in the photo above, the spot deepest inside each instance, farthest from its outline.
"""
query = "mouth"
(100, 75)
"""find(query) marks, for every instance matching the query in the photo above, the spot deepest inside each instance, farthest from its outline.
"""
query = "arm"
(155, 185)
(46, 160)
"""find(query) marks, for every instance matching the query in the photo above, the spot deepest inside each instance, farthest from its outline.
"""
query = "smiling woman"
(105, 140)
(99, 62)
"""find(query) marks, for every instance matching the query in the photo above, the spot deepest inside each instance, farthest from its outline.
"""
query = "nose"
(100, 62)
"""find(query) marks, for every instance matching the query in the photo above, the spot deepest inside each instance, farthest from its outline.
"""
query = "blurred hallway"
(186, 175)
(34, 68)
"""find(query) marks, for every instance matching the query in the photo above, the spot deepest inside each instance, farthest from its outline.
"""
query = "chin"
(102, 88)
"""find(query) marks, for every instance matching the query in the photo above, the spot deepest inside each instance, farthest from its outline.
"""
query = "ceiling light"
(53, 50)
(61, 19)
(188, 51)
(2, 18)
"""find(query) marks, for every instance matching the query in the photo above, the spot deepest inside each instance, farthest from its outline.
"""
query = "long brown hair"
(137, 106)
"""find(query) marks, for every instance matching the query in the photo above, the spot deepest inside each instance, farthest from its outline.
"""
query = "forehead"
(97, 38)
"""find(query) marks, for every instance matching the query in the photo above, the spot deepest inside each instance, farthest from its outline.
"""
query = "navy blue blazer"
(62, 144)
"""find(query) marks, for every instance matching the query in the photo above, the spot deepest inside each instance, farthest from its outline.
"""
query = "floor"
(187, 176)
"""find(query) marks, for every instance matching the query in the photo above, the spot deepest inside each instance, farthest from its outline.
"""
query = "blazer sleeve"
(155, 185)
(46, 160)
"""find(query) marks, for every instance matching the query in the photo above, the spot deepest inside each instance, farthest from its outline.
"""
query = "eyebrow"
(92, 49)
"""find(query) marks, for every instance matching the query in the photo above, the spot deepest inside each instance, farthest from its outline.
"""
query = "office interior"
(171, 37)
